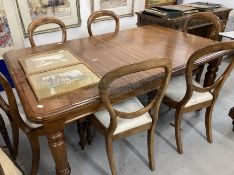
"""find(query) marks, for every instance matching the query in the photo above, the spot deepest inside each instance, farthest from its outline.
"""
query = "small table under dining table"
(102, 54)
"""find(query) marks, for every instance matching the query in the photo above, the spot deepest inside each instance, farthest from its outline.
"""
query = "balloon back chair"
(186, 95)
(211, 32)
(43, 21)
(102, 13)
(129, 117)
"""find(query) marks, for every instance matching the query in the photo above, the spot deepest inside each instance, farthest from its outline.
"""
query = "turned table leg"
(88, 126)
(56, 140)
(81, 132)
(211, 73)
(231, 114)
(84, 131)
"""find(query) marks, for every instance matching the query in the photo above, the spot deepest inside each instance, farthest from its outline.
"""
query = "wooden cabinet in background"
(199, 28)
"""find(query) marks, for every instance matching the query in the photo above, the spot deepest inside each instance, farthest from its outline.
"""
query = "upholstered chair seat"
(31, 125)
(177, 88)
(130, 105)
(7, 165)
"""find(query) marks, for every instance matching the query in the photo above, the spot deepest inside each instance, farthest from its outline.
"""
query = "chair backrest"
(42, 21)
(127, 70)
(217, 85)
(10, 106)
(102, 13)
(208, 16)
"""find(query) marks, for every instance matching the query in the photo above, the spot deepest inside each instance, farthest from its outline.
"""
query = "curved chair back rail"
(10, 107)
(130, 69)
(215, 88)
(102, 13)
(216, 28)
(42, 21)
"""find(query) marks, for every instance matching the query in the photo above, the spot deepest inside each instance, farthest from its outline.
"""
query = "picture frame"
(66, 10)
(11, 35)
(48, 61)
(63, 80)
(122, 8)
(153, 3)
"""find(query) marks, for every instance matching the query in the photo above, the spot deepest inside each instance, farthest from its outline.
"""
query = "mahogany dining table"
(102, 54)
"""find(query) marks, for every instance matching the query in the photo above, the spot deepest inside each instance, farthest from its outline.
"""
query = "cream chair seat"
(8, 167)
(22, 114)
(129, 105)
(177, 88)
(31, 125)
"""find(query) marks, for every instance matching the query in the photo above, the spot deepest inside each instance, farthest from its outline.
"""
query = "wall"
(108, 26)
(99, 28)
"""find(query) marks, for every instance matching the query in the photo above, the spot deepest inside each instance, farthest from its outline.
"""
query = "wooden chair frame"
(214, 89)
(217, 26)
(42, 21)
(214, 34)
(5, 135)
(11, 110)
(102, 13)
(153, 107)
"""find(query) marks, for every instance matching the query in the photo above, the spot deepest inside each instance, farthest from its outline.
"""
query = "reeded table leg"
(55, 135)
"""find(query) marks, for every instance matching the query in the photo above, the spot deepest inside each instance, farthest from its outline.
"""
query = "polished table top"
(102, 53)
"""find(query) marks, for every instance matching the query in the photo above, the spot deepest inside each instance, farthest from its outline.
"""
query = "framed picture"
(48, 61)
(11, 35)
(152, 3)
(66, 10)
(63, 80)
(120, 7)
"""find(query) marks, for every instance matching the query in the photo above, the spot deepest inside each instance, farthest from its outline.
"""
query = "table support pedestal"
(231, 114)
(211, 73)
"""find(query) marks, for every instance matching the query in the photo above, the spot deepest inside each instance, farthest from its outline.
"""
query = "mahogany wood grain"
(102, 53)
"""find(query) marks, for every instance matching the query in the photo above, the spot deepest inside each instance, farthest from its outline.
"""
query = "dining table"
(102, 53)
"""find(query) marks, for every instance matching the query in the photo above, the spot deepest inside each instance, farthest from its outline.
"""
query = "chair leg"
(110, 155)
(5, 135)
(150, 142)
(208, 124)
(178, 117)
(35, 146)
(15, 135)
